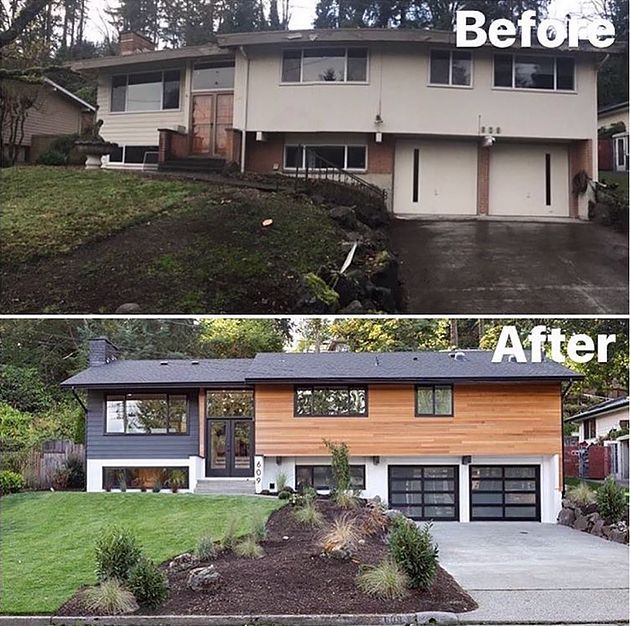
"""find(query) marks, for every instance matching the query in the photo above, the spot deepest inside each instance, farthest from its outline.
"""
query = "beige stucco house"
(443, 130)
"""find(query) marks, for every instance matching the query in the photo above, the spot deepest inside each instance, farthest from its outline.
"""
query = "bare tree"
(16, 25)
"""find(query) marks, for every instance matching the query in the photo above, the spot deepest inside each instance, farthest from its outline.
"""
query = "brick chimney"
(102, 351)
(132, 43)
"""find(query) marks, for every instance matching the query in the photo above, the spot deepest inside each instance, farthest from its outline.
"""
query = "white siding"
(605, 423)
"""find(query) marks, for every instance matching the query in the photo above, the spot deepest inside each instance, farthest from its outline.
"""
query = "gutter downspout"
(244, 130)
(562, 397)
(85, 447)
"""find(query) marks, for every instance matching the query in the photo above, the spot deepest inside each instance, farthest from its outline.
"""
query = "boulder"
(567, 504)
(606, 530)
(128, 307)
(183, 562)
(343, 553)
(589, 508)
(618, 536)
(383, 297)
(203, 578)
(566, 517)
(581, 522)
(385, 273)
(597, 528)
(348, 289)
(344, 216)
(353, 308)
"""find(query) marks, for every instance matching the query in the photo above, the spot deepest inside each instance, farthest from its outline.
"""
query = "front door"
(211, 120)
(230, 447)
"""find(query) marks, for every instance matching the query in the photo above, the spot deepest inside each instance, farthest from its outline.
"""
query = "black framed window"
(145, 477)
(434, 400)
(451, 67)
(534, 72)
(325, 65)
(590, 428)
(230, 402)
(320, 476)
(147, 91)
(348, 157)
(337, 401)
(146, 414)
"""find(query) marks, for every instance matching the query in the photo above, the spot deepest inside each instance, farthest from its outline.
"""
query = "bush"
(386, 580)
(110, 597)
(346, 499)
(285, 494)
(230, 533)
(581, 494)
(374, 522)
(23, 389)
(281, 481)
(342, 536)
(52, 157)
(340, 468)
(148, 584)
(248, 548)
(117, 551)
(259, 526)
(10, 482)
(205, 548)
(611, 501)
(308, 515)
(76, 472)
(413, 549)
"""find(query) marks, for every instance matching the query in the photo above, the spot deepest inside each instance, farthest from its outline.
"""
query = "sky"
(303, 12)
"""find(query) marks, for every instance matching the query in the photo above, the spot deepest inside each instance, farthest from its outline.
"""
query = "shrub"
(110, 597)
(285, 494)
(342, 536)
(117, 551)
(413, 549)
(157, 486)
(386, 580)
(76, 472)
(581, 494)
(205, 548)
(346, 499)
(249, 548)
(281, 481)
(308, 515)
(148, 584)
(177, 480)
(340, 468)
(611, 501)
(52, 157)
(23, 389)
(60, 479)
(259, 526)
(230, 533)
(10, 482)
(374, 521)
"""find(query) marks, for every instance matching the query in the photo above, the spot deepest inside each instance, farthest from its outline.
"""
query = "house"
(56, 111)
(614, 149)
(442, 130)
(445, 436)
(598, 422)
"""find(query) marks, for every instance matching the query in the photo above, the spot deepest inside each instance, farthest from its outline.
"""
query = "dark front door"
(230, 447)
(211, 123)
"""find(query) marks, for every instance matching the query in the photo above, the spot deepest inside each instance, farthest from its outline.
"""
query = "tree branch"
(26, 15)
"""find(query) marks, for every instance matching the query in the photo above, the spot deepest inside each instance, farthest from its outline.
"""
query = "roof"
(329, 367)
(613, 108)
(600, 409)
(69, 94)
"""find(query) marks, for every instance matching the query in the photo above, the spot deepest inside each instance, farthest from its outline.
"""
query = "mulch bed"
(292, 578)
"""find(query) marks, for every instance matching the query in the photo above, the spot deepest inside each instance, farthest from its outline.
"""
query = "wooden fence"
(43, 461)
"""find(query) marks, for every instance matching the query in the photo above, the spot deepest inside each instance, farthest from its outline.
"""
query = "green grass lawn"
(619, 178)
(47, 539)
(574, 482)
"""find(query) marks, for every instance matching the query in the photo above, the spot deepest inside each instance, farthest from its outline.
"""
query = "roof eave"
(410, 379)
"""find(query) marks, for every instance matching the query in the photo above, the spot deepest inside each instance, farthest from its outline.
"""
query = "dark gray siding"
(102, 446)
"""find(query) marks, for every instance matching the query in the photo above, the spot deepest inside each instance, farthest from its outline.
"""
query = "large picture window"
(320, 476)
(210, 76)
(534, 72)
(451, 67)
(330, 401)
(145, 477)
(230, 403)
(325, 65)
(434, 400)
(146, 414)
(320, 157)
(147, 91)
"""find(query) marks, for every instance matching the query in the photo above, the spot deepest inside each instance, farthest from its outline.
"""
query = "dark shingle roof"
(598, 409)
(325, 367)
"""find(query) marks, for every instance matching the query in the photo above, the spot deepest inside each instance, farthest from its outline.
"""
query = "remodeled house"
(444, 436)
(443, 130)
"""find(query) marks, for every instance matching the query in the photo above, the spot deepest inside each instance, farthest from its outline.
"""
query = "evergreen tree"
(274, 16)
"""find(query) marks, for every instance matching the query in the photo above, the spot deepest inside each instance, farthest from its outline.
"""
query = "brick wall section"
(381, 155)
(580, 158)
(261, 156)
(131, 43)
(172, 145)
(483, 180)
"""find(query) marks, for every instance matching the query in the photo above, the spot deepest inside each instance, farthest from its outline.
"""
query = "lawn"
(619, 178)
(47, 539)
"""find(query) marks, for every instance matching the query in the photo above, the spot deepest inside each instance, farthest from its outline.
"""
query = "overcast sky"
(303, 12)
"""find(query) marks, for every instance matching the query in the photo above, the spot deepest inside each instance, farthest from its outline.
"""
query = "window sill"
(437, 85)
(144, 112)
(291, 170)
(567, 92)
(326, 82)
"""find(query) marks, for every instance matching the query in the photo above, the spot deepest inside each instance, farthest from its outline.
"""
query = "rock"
(581, 522)
(344, 216)
(567, 504)
(341, 554)
(606, 530)
(348, 290)
(566, 517)
(372, 215)
(589, 508)
(183, 562)
(618, 536)
(353, 308)
(593, 518)
(203, 578)
(597, 528)
(128, 307)
(383, 297)
(385, 272)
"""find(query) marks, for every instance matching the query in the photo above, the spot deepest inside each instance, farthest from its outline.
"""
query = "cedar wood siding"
(102, 446)
(489, 419)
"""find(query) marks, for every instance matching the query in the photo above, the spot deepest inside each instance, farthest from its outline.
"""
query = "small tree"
(611, 501)
(341, 481)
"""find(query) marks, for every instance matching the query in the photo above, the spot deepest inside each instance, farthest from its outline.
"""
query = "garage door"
(505, 493)
(529, 180)
(425, 492)
(435, 178)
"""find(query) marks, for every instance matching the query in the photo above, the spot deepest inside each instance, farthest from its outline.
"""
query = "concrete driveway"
(532, 573)
(510, 267)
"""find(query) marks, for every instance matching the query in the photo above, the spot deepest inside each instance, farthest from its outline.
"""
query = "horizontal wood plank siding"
(489, 419)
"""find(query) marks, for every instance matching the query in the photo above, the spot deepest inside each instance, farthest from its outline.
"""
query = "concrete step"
(225, 486)
(193, 164)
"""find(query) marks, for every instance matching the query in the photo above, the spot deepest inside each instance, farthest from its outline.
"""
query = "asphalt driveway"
(511, 267)
(536, 572)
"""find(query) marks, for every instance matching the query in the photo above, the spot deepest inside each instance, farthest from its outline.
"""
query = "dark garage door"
(425, 492)
(505, 493)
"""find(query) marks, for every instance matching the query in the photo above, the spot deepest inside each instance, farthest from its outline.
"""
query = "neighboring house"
(598, 422)
(445, 436)
(443, 130)
(56, 112)
(614, 152)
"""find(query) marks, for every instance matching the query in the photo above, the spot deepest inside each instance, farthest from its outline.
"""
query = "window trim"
(124, 155)
(588, 423)
(312, 467)
(218, 64)
(125, 468)
(182, 73)
(185, 433)
(433, 387)
(326, 82)
(296, 388)
(302, 168)
(450, 84)
(513, 55)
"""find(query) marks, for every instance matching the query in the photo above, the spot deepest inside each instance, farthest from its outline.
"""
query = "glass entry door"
(230, 447)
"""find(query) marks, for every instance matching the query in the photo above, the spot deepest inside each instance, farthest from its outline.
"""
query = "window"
(320, 476)
(534, 72)
(212, 76)
(330, 401)
(325, 65)
(149, 91)
(319, 157)
(434, 400)
(145, 477)
(146, 414)
(230, 403)
(590, 429)
(451, 67)
(131, 154)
